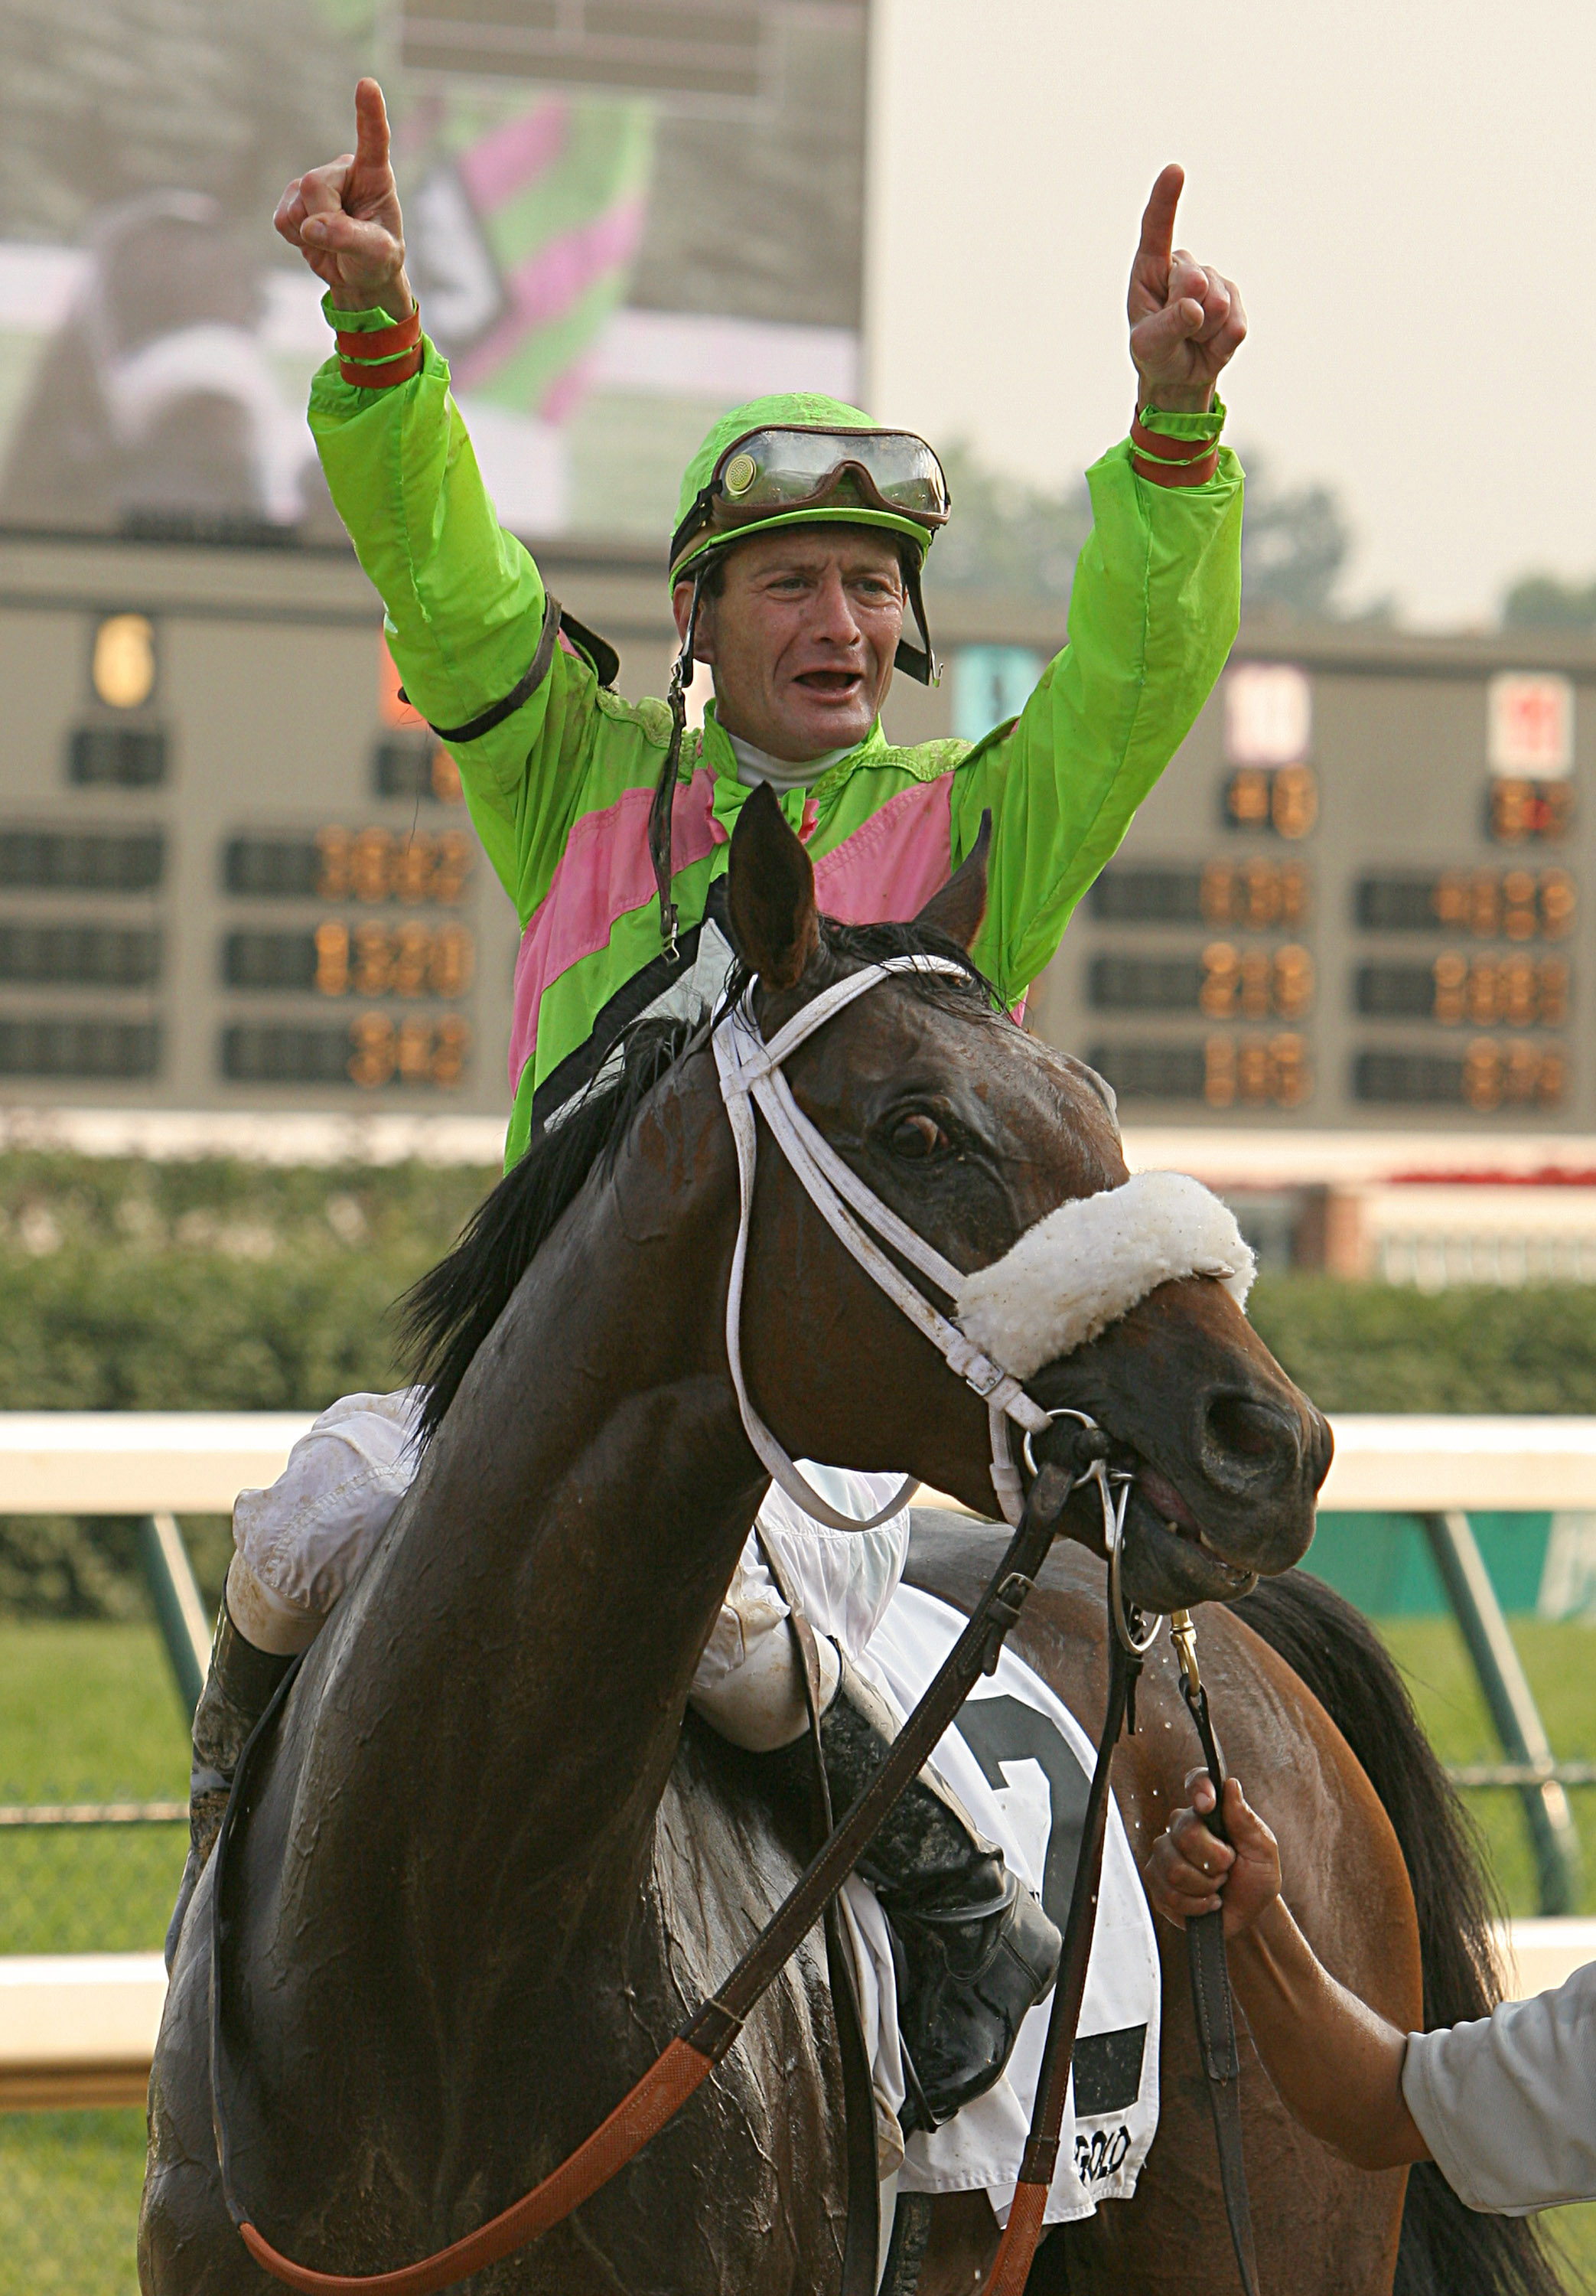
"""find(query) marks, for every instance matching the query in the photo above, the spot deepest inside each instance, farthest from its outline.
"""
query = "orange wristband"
(383, 342)
(383, 357)
(1168, 462)
(383, 376)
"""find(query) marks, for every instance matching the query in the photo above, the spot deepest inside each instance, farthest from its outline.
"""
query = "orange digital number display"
(415, 1052)
(1284, 798)
(1257, 1071)
(384, 864)
(1255, 982)
(1523, 992)
(407, 960)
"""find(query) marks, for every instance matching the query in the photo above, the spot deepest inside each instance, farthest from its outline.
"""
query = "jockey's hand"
(345, 219)
(1187, 323)
(1191, 1870)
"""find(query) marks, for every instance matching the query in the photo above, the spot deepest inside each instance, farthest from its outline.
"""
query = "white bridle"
(751, 1070)
(1191, 1233)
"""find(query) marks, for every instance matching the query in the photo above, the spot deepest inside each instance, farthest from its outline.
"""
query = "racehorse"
(491, 1863)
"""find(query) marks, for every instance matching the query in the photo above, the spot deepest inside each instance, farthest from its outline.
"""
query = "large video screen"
(623, 216)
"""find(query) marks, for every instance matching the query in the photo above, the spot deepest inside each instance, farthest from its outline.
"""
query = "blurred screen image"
(624, 216)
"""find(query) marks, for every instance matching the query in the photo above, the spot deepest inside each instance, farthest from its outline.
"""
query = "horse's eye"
(918, 1134)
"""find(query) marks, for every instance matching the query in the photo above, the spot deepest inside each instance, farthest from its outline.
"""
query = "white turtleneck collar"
(756, 766)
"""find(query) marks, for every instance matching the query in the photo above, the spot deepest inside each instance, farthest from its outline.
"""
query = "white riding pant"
(302, 1542)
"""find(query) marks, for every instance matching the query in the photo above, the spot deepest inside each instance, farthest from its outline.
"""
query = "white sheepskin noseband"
(1084, 1266)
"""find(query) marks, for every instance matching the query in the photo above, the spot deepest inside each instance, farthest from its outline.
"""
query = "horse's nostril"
(1245, 1430)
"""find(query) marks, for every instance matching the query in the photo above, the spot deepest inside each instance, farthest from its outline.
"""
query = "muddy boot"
(237, 1689)
(973, 1948)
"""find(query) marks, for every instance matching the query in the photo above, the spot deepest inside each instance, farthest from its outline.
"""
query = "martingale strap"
(1017, 2250)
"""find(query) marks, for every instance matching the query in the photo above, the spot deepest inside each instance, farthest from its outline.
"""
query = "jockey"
(801, 533)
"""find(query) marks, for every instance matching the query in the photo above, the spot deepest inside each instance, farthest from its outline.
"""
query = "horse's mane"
(446, 1314)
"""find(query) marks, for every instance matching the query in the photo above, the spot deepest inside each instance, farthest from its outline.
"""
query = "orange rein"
(641, 2114)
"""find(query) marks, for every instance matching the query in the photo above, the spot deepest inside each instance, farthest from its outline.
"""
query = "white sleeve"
(842, 1580)
(1508, 2104)
(307, 1536)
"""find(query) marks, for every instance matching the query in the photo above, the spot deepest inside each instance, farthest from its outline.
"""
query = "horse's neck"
(518, 1672)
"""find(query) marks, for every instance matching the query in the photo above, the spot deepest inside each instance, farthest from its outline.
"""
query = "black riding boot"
(974, 1949)
(237, 1689)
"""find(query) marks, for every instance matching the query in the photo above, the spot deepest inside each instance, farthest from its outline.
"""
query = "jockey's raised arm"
(1152, 616)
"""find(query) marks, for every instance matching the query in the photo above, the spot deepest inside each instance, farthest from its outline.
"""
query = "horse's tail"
(1446, 2249)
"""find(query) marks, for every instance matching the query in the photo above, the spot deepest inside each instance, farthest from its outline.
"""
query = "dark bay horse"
(491, 1863)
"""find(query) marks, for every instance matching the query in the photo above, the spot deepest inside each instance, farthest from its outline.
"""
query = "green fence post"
(178, 1609)
(1511, 1702)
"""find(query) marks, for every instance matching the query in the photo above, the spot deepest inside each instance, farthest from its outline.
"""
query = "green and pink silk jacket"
(559, 791)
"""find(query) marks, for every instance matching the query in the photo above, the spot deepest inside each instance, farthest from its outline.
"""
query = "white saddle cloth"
(1020, 1763)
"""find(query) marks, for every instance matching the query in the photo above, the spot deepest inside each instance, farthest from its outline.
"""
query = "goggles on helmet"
(767, 475)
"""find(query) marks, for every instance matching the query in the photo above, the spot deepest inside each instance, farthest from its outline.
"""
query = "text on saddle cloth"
(1020, 1763)
(1076, 1271)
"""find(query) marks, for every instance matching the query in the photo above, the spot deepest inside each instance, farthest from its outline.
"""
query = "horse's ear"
(959, 908)
(770, 893)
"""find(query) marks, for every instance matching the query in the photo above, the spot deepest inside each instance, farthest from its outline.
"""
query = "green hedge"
(130, 1286)
(1380, 1347)
(225, 1286)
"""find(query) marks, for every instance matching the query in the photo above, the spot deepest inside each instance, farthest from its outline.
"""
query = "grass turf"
(1560, 1661)
(87, 1711)
(69, 2186)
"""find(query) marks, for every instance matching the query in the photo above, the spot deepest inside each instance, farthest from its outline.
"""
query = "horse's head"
(974, 1134)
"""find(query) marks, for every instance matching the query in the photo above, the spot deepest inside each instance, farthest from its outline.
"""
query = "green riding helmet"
(797, 458)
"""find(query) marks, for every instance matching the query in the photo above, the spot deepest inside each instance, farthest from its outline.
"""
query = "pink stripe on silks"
(514, 155)
(890, 867)
(548, 284)
(604, 871)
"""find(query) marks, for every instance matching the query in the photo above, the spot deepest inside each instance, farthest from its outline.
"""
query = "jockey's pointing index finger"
(1157, 218)
(371, 126)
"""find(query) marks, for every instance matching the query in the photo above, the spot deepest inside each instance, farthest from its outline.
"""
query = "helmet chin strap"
(918, 661)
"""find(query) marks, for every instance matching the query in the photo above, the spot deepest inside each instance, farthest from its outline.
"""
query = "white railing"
(197, 1462)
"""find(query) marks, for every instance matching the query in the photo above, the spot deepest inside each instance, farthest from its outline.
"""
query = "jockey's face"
(802, 637)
